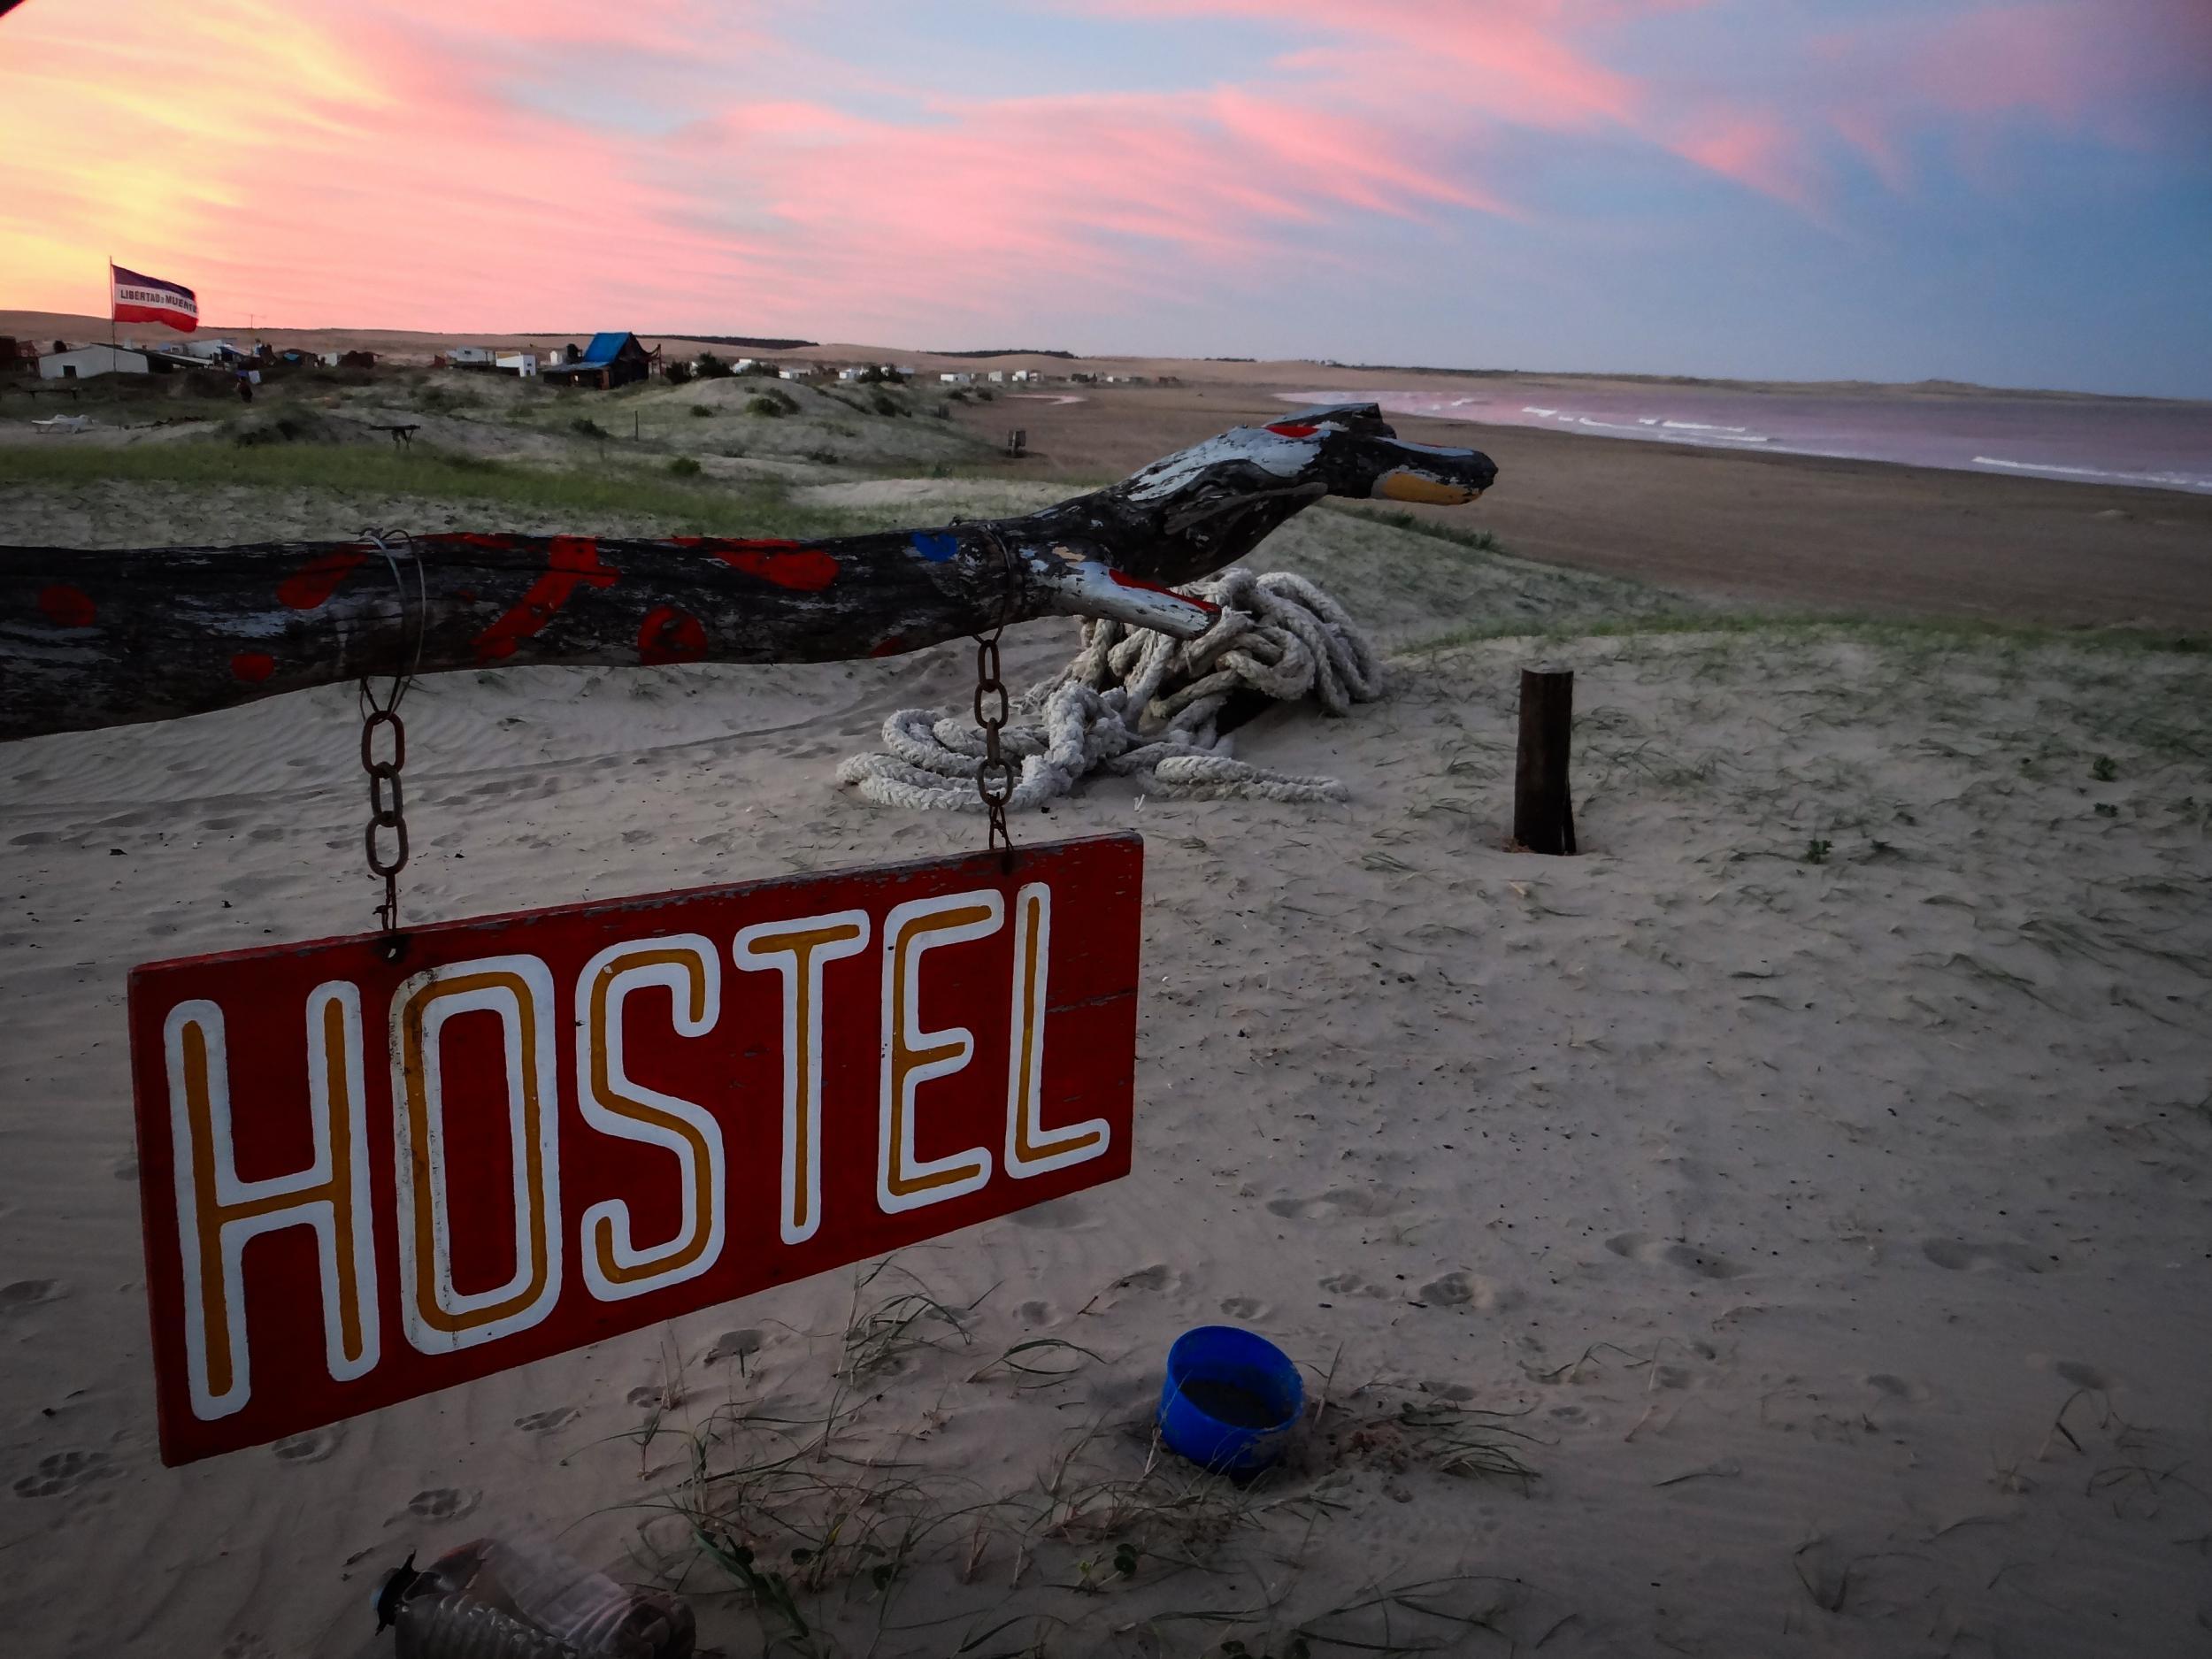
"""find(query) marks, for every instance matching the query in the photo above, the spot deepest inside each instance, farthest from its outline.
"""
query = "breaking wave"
(2145, 445)
(2169, 480)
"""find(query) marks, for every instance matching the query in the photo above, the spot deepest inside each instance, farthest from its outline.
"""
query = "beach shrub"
(772, 404)
(700, 410)
(585, 426)
(684, 466)
(710, 367)
(678, 374)
(299, 425)
(884, 404)
(1816, 852)
(2105, 769)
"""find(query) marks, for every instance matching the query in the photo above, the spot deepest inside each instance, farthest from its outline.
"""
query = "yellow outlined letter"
(797, 949)
(912, 1056)
(217, 1213)
(690, 969)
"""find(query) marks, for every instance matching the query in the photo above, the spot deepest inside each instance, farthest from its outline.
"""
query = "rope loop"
(1137, 703)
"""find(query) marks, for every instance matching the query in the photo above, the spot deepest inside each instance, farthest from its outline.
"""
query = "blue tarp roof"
(603, 350)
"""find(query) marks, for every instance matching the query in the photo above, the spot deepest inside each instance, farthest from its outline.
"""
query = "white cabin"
(86, 361)
(522, 362)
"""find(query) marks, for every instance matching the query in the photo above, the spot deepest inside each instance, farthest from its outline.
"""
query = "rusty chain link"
(994, 776)
(387, 797)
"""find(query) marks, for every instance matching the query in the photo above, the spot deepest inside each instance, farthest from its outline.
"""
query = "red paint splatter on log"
(67, 607)
(313, 583)
(670, 635)
(1122, 578)
(791, 565)
(891, 646)
(575, 563)
(466, 538)
(253, 667)
(1292, 429)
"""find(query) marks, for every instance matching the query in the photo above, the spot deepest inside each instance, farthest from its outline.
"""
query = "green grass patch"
(755, 508)
(1398, 518)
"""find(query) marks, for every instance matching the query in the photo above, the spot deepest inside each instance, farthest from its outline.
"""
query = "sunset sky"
(2012, 191)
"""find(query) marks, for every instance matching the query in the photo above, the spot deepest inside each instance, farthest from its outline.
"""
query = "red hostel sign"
(365, 1181)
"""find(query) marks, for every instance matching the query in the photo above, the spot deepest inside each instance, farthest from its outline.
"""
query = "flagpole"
(115, 386)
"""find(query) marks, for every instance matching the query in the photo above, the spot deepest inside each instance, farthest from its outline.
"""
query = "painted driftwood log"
(107, 638)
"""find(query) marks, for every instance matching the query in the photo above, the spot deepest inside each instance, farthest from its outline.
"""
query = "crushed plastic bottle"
(520, 1598)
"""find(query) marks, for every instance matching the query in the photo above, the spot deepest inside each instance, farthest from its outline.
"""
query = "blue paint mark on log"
(936, 545)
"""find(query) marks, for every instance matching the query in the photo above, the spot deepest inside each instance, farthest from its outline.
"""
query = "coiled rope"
(1135, 702)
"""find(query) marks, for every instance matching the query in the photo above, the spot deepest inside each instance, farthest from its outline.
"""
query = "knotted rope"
(1135, 702)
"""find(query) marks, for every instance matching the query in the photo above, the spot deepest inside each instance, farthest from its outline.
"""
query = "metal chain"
(387, 798)
(994, 776)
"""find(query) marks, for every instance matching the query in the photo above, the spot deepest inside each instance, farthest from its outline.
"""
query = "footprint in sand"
(1056, 1215)
(1959, 1255)
(1243, 1307)
(546, 1422)
(1895, 1387)
(1470, 1290)
(648, 1396)
(63, 1472)
(732, 1345)
(443, 1504)
(1034, 1313)
(1159, 1276)
(246, 1645)
(2086, 1376)
(1335, 1203)
(1642, 1247)
(28, 1292)
(310, 1448)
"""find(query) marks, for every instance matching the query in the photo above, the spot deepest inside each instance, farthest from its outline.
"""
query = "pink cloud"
(1755, 149)
(492, 162)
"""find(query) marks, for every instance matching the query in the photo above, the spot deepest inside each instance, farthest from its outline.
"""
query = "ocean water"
(2156, 445)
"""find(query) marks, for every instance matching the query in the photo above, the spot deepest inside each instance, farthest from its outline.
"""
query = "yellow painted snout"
(1404, 486)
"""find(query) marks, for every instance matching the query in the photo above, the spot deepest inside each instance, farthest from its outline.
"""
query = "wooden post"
(1543, 806)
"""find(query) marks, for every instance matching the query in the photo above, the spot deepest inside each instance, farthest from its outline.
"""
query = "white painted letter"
(440, 1319)
(1031, 1148)
(912, 1056)
(797, 949)
(690, 968)
(217, 1213)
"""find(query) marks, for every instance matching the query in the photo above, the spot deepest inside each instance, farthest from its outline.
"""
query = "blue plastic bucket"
(1230, 1400)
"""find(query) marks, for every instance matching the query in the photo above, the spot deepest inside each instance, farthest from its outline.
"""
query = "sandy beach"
(1779, 1230)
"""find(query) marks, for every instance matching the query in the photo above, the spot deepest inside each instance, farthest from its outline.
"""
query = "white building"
(522, 362)
(958, 378)
(86, 361)
(998, 377)
(746, 365)
(850, 375)
(472, 357)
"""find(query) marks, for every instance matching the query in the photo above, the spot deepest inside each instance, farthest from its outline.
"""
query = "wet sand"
(1790, 531)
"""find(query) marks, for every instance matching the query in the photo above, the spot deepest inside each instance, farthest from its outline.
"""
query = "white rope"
(1137, 702)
